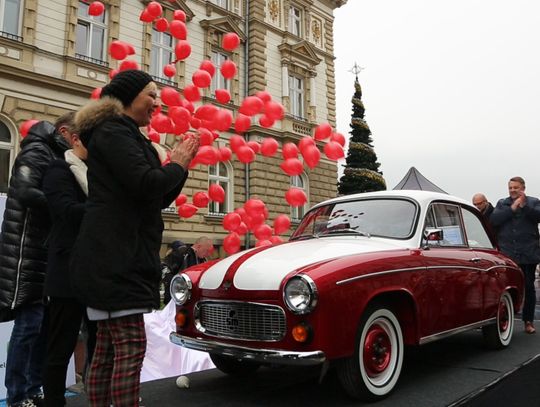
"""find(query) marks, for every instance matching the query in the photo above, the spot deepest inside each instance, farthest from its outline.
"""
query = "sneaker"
(24, 403)
(529, 327)
(38, 400)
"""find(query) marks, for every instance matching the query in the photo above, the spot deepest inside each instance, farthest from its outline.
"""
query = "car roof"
(422, 197)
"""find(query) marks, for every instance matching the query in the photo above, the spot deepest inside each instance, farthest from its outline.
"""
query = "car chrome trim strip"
(349, 280)
(380, 273)
(257, 355)
(450, 332)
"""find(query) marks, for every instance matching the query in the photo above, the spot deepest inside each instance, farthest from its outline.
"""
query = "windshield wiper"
(342, 231)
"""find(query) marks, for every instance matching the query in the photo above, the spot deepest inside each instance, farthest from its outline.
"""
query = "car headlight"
(300, 294)
(181, 289)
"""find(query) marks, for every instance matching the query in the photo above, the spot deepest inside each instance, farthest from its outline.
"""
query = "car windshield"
(391, 218)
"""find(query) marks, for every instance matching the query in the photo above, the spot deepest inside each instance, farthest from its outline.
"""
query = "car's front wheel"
(499, 335)
(374, 369)
(234, 367)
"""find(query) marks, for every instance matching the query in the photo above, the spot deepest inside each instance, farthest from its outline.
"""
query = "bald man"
(482, 204)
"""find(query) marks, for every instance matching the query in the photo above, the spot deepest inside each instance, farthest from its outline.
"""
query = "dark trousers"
(530, 293)
(64, 317)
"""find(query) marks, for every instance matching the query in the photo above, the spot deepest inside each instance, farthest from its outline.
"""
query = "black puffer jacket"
(115, 263)
(23, 247)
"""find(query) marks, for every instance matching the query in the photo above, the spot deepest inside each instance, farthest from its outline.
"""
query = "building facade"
(53, 54)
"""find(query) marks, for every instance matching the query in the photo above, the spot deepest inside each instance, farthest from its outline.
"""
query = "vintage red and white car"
(361, 277)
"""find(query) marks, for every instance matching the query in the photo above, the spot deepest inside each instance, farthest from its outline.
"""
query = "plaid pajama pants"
(114, 375)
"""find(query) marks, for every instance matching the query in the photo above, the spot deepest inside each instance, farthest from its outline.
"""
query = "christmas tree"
(361, 173)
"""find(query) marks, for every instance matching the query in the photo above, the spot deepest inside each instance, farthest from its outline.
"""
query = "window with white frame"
(11, 17)
(221, 3)
(296, 95)
(295, 21)
(220, 174)
(161, 53)
(7, 153)
(299, 181)
(91, 35)
(218, 81)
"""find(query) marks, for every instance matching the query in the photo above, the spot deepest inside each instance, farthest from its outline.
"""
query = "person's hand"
(520, 201)
(184, 151)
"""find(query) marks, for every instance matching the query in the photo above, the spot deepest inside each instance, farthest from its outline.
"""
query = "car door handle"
(475, 260)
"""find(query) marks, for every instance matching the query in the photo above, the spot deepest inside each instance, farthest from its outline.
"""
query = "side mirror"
(433, 235)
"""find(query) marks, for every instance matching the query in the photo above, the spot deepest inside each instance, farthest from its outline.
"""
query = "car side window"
(476, 234)
(447, 218)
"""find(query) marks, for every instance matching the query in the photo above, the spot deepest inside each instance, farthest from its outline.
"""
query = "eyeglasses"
(479, 203)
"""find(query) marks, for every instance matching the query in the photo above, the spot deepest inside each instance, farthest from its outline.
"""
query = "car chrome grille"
(241, 320)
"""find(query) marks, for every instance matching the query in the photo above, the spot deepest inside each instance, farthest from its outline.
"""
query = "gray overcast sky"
(450, 87)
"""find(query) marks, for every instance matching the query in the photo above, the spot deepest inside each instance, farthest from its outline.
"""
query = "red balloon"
(334, 150)
(295, 197)
(154, 9)
(96, 8)
(262, 243)
(180, 116)
(251, 106)
(245, 154)
(312, 156)
(25, 127)
(263, 232)
(206, 112)
(113, 72)
(338, 138)
(236, 142)
(162, 123)
(206, 138)
(282, 223)
(276, 240)
(154, 136)
(323, 131)
(169, 70)
(254, 206)
(242, 229)
(179, 15)
(118, 50)
(266, 121)
(264, 95)
(208, 66)
(207, 155)
(306, 142)
(242, 123)
(195, 123)
(225, 154)
(162, 24)
(228, 69)
(146, 17)
(182, 49)
(289, 151)
(231, 221)
(170, 96)
(223, 120)
(178, 29)
(223, 96)
(180, 200)
(231, 243)
(230, 41)
(269, 147)
(216, 193)
(201, 199)
(128, 64)
(96, 93)
(201, 78)
(254, 146)
(274, 110)
(187, 210)
(191, 93)
(292, 166)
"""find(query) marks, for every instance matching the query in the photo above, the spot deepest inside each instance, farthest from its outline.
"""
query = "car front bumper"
(273, 356)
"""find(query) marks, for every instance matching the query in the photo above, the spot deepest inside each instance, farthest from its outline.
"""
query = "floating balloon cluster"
(184, 118)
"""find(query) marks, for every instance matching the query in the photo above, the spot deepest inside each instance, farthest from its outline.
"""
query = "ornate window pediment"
(224, 24)
(301, 52)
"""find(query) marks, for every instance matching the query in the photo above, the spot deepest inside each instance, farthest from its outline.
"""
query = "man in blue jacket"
(23, 259)
(516, 219)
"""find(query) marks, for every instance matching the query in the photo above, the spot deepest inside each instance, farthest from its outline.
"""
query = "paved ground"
(444, 373)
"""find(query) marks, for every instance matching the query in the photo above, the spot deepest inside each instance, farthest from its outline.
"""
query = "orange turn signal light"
(181, 318)
(301, 332)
